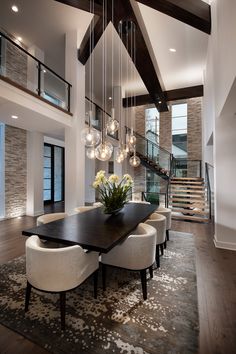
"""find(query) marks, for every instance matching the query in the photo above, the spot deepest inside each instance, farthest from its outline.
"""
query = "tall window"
(2, 187)
(152, 124)
(53, 173)
(179, 130)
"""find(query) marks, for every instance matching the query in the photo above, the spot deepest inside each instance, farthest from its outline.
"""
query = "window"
(179, 130)
(53, 173)
(152, 119)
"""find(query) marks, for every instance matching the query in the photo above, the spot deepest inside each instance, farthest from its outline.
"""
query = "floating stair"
(188, 199)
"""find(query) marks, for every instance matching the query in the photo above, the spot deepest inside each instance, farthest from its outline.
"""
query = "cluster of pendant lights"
(95, 141)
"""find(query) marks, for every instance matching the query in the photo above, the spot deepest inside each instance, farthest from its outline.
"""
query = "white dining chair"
(97, 204)
(136, 252)
(167, 213)
(139, 201)
(46, 218)
(83, 209)
(159, 223)
(58, 270)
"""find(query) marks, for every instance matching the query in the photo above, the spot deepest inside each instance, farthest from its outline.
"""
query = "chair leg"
(167, 235)
(95, 283)
(144, 283)
(157, 256)
(162, 249)
(27, 295)
(164, 244)
(63, 309)
(151, 272)
(104, 277)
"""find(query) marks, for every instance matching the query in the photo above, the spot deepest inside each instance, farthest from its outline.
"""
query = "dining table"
(94, 230)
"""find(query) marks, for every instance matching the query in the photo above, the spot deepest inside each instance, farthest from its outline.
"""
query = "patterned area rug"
(119, 321)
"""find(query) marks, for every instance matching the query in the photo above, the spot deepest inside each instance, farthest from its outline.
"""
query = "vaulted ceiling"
(161, 24)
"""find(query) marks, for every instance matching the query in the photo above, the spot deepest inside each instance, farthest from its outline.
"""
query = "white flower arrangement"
(113, 191)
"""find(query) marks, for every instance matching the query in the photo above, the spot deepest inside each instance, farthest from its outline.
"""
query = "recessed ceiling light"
(14, 117)
(173, 50)
(159, 102)
(14, 8)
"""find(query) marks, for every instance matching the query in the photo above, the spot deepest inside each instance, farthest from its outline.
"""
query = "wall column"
(35, 143)
(74, 150)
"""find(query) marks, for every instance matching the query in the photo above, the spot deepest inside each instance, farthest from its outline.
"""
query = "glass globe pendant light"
(134, 161)
(90, 153)
(113, 124)
(90, 136)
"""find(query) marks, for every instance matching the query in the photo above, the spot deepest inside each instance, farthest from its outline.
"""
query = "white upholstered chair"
(46, 218)
(97, 204)
(139, 201)
(136, 252)
(159, 223)
(167, 213)
(57, 269)
(83, 209)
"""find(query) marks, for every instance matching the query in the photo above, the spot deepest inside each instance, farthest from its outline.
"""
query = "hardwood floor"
(216, 279)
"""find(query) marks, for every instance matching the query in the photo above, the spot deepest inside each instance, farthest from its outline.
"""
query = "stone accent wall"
(195, 128)
(16, 65)
(15, 171)
(166, 130)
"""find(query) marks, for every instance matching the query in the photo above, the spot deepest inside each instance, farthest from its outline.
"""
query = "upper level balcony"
(22, 70)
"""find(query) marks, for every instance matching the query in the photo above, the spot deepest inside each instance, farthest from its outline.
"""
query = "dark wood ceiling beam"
(144, 64)
(97, 31)
(83, 5)
(195, 13)
(171, 95)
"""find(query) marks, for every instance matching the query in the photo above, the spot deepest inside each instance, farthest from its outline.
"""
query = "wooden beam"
(144, 64)
(97, 31)
(195, 13)
(172, 95)
(83, 5)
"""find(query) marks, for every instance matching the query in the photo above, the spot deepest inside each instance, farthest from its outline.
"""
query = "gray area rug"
(119, 321)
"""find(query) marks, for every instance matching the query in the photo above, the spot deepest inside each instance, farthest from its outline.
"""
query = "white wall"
(219, 118)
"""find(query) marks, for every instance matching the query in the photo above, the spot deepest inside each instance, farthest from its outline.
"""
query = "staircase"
(188, 199)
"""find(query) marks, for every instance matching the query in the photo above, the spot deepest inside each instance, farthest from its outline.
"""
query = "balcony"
(21, 69)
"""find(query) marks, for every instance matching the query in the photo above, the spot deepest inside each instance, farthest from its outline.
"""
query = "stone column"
(35, 143)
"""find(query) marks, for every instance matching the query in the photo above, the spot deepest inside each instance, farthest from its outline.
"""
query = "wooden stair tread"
(189, 217)
(193, 212)
(200, 187)
(187, 178)
(188, 191)
(188, 200)
(186, 195)
(192, 205)
(189, 183)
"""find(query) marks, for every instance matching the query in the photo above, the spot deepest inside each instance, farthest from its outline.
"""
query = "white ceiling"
(45, 22)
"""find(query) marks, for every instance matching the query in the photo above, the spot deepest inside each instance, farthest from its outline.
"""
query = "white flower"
(113, 179)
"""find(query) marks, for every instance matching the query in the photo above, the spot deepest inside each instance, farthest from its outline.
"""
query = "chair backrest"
(139, 201)
(83, 209)
(46, 218)
(167, 213)
(97, 204)
(54, 269)
(159, 222)
(136, 252)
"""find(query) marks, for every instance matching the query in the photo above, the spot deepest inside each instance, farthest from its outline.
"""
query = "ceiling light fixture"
(173, 50)
(14, 117)
(14, 8)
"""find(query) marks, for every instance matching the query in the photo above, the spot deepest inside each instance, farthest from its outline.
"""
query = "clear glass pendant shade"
(104, 151)
(132, 140)
(121, 155)
(90, 136)
(134, 161)
(113, 124)
(90, 153)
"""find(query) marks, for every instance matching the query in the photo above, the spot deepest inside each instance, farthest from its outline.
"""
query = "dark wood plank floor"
(216, 278)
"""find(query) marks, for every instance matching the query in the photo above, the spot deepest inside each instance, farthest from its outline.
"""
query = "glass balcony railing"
(27, 72)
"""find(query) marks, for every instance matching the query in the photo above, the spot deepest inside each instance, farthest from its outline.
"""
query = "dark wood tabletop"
(93, 229)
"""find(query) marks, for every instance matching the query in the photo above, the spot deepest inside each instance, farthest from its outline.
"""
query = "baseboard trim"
(225, 245)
